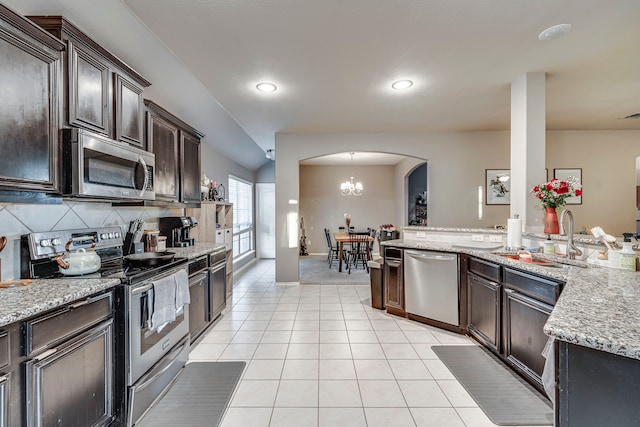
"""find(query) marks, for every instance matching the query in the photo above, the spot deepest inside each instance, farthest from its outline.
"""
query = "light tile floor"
(320, 356)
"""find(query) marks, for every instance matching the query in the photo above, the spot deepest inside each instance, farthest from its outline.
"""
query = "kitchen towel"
(182, 290)
(162, 302)
(514, 233)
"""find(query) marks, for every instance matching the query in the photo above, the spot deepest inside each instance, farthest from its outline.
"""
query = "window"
(241, 195)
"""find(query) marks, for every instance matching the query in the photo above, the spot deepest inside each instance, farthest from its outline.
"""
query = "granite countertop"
(198, 250)
(598, 307)
(41, 295)
(586, 239)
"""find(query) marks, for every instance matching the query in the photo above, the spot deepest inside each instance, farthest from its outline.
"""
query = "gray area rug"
(198, 398)
(503, 396)
(314, 269)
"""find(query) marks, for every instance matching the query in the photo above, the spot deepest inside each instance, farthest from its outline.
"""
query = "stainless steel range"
(148, 359)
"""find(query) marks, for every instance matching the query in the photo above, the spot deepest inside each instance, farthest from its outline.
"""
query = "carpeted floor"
(314, 269)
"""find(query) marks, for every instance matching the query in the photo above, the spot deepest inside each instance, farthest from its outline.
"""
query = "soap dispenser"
(549, 247)
(627, 254)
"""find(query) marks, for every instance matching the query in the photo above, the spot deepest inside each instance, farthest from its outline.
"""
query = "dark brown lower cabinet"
(393, 277)
(68, 363)
(596, 388)
(72, 384)
(217, 290)
(484, 311)
(198, 307)
(527, 303)
(4, 399)
(524, 339)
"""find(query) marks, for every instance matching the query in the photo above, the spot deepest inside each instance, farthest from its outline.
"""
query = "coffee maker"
(177, 230)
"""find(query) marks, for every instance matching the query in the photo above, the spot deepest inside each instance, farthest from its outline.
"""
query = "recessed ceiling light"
(402, 84)
(554, 32)
(266, 87)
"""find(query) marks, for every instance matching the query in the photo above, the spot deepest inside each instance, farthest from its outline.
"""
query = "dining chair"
(333, 250)
(358, 252)
(372, 232)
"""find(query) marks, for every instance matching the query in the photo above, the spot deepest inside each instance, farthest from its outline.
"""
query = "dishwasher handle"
(431, 256)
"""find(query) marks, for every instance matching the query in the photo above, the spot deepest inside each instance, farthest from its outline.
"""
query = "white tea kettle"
(81, 261)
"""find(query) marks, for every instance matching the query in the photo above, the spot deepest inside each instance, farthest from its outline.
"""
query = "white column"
(528, 128)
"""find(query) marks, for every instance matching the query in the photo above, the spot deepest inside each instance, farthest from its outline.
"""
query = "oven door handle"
(149, 284)
(217, 267)
(197, 278)
(173, 355)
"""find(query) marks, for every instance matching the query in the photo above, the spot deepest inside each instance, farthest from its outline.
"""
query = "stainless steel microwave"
(98, 167)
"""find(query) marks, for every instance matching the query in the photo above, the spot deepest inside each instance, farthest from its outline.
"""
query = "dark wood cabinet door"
(524, 339)
(198, 307)
(394, 286)
(483, 310)
(129, 113)
(73, 385)
(30, 81)
(218, 292)
(163, 142)
(89, 90)
(190, 179)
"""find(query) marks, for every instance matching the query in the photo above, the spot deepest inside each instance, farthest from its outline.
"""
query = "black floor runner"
(503, 396)
(198, 398)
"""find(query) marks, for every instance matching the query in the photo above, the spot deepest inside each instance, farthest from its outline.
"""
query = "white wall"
(267, 173)
(322, 206)
(608, 162)
(457, 163)
(218, 167)
(456, 169)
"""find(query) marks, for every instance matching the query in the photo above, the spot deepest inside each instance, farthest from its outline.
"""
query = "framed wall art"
(498, 186)
(563, 174)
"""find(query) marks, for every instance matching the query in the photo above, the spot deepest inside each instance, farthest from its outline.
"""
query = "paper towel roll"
(514, 233)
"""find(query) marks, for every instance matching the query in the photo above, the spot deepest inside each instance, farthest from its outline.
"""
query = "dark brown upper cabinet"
(30, 81)
(88, 90)
(129, 111)
(101, 92)
(177, 149)
(190, 149)
(163, 142)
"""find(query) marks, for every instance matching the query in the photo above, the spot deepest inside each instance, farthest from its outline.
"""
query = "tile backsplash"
(19, 219)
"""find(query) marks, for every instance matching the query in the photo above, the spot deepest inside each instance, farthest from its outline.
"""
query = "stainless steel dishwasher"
(431, 285)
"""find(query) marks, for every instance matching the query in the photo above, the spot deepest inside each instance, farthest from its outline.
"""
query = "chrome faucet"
(572, 250)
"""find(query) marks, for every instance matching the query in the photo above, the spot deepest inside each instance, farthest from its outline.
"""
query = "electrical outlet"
(495, 239)
(477, 238)
(308, 242)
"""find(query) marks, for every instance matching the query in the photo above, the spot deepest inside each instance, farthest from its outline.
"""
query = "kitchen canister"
(150, 240)
(162, 243)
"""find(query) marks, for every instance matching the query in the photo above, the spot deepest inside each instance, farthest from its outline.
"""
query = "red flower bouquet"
(554, 193)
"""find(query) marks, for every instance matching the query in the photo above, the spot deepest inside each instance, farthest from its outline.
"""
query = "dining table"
(343, 237)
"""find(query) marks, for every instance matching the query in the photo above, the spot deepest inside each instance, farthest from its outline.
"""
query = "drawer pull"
(79, 304)
(45, 354)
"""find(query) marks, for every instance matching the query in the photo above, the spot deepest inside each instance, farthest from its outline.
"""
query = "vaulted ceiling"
(333, 61)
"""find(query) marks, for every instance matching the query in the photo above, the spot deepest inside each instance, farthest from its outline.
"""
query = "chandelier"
(348, 188)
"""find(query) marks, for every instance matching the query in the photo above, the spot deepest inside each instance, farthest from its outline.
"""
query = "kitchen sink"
(548, 261)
